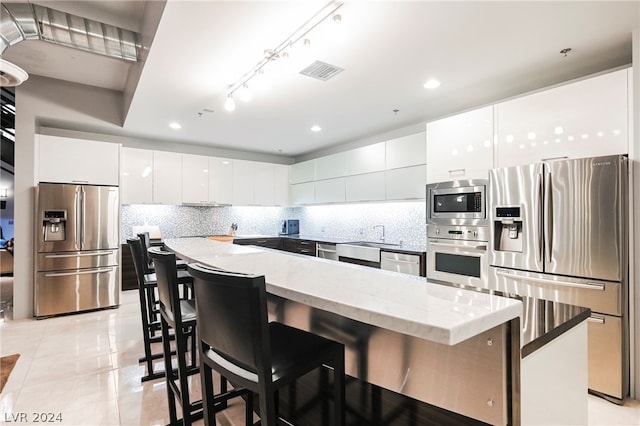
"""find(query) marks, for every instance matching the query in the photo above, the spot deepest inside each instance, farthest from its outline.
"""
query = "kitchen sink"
(376, 244)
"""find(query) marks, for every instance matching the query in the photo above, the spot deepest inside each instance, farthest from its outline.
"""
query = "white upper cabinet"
(67, 160)
(460, 146)
(243, 182)
(582, 119)
(220, 180)
(281, 184)
(330, 191)
(367, 159)
(263, 184)
(167, 177)
(303, 193)
(136, 184)
(303, 172)
(331, 166)
(406, 151)
(195, 179)
(366, 187)
(407, 183)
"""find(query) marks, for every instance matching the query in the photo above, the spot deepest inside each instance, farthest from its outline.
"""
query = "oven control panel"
(468, 233)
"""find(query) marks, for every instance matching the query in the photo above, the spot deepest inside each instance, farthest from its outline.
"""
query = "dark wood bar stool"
(151, 326)
(180, 315)
(237, 341)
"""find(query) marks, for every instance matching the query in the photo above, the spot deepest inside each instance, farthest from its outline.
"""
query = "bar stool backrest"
(231, 312)
(167, 277)
(136, 254)
(145, 241)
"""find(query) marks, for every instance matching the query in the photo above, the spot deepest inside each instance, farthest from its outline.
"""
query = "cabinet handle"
(599, 320)
(456, 172)
(79, 181)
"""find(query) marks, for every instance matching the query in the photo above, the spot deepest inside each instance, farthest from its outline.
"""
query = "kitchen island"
(451, 348)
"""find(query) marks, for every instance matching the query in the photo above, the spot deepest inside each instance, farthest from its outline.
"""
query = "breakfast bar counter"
(455, 349)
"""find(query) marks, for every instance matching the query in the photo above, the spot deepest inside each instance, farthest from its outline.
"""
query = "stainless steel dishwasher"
(400, 262)
(326, 251)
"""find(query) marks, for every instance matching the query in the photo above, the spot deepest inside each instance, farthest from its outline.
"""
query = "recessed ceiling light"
(431, 84)
(175, 126)
(316, 128)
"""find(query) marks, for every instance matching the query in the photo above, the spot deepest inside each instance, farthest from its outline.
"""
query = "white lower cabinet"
(195, 179)
(136, 183)
(167, 177)
(406, 183)
(69, 160)
(330, 191)
(366, 187)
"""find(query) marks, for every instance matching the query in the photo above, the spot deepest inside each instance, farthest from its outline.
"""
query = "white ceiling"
(480, 51)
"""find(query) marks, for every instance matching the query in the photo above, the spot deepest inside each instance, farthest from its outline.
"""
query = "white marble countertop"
(398, 302)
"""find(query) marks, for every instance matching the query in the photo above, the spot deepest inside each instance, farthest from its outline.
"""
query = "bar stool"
(146, 245)
(179, 315)
(147, 284)
(237, 341)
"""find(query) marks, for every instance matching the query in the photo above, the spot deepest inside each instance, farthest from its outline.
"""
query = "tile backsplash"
(402, 220)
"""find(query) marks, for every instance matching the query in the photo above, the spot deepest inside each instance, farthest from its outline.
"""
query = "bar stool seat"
(237, 341)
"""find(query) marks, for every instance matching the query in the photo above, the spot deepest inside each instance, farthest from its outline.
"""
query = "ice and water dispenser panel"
(54, 225)
(508, 229)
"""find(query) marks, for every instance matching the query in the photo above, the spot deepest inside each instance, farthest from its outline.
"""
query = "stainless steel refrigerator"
(559, 232)
(76, 248)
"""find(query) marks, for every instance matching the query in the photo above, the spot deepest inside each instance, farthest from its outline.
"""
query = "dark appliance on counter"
(559, 233)
(458, 232)
(76, 248)
(290, 227)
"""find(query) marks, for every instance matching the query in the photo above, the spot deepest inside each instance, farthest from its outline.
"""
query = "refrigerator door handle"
(94, 253)
(539, 186)
(587, 285)
(84, 217)
(548, 222)
(83, 272)
(78, 217)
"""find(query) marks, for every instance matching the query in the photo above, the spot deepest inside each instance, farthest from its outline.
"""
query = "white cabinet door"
(406, 183)
(366, 187)
(136, 184)
(243, 182)
(370, 158)
(303, 172)
(406, 151)
(195, 179)
(303, 193)
(331, 191)
(582, 119)
(460, 147)
(167, 177)
(281, 184)
(67, 160)
(220, 180)
(331, 166)
(264, 186)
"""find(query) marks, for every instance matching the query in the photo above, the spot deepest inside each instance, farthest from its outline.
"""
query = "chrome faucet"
(381, 226)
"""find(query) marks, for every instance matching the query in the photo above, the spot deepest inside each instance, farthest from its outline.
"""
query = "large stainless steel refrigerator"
(76, 248)
(559, 232)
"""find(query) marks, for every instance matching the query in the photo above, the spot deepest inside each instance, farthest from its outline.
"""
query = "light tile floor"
(84, 368)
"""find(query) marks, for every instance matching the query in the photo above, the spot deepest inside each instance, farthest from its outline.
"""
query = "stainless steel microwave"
(461, 202)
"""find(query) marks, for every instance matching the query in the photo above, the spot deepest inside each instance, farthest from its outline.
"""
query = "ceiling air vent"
(321, 71)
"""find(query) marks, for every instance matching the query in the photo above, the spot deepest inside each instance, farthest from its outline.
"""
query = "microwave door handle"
(548, 223)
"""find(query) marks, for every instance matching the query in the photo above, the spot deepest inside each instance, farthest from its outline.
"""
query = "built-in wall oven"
(458, 232)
